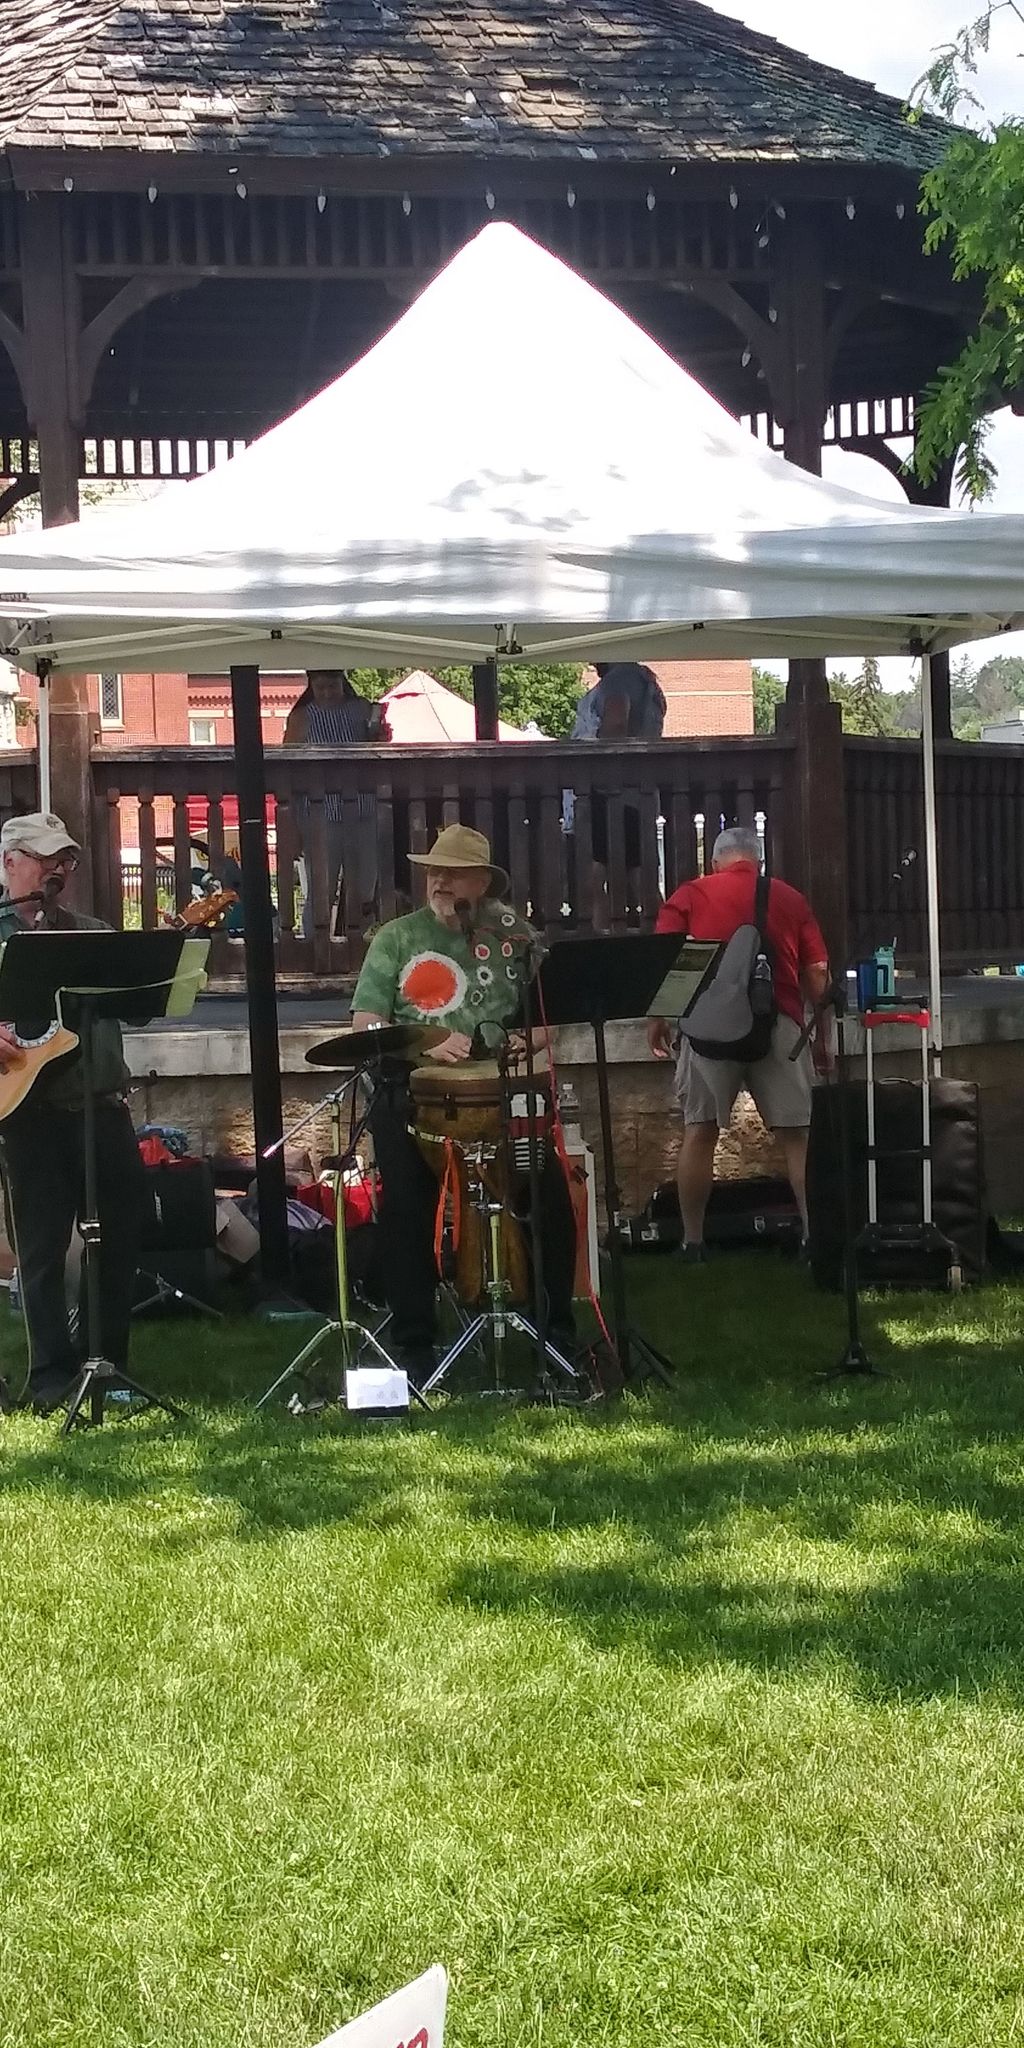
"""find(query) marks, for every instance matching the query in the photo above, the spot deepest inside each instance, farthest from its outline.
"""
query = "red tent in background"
(421, 712)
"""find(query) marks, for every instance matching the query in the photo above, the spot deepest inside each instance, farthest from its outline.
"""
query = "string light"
(570, 196)
(489, 200)
(851, 210)
(745, 359)
(900, 210)
(151, 193)
(406, 204)
(241, 188)
(773, 314)
(779, 211)
(734, 197)
(651, 202)
(321, 200)
(69, 184)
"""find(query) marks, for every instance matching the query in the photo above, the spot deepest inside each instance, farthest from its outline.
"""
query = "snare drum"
(459, 1112)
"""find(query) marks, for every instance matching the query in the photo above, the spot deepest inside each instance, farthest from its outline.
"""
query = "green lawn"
(697, 1722)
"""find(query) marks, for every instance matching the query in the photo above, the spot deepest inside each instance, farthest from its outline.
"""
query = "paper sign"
(376, 1387)
(413, 2018)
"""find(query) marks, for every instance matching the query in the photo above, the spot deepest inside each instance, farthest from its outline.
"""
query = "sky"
(890, 43)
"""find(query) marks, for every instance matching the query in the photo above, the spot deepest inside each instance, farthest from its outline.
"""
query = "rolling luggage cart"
(915, 1254)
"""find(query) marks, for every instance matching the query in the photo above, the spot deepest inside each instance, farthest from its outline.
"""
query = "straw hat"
(458, 846)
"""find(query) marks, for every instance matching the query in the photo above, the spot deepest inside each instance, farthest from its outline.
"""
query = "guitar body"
(35, 1054)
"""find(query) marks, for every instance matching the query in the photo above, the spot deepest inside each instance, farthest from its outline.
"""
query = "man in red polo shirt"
(713, 907)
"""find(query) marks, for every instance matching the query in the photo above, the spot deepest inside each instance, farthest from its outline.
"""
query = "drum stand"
(352, 1336)
(493, 1324)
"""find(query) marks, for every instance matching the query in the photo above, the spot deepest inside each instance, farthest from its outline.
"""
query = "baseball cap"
(38, 832)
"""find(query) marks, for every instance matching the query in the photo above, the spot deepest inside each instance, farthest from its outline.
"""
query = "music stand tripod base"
(353, 1335)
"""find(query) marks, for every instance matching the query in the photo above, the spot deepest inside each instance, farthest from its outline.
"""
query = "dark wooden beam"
(52, 323)
(257, 907)
(485, 699)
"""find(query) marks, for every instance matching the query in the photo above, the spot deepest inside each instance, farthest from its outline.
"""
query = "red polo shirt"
(714, 906)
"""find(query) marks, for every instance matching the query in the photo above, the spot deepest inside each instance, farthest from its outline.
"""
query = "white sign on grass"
(413, 2018)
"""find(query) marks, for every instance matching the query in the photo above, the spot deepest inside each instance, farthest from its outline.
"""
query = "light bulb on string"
(900, 210)
(242, 189)
(851, 210)
(651, 202)
(321, 200)
(734, 197)
(779, 211)
(745, 359)
(570, 196)
(406, 204)
(489, 200)
(151, 193)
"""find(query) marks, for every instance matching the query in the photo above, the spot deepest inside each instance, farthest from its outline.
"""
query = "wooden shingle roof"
(647, 80)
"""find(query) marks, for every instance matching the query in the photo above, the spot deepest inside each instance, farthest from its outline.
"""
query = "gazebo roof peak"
(620, 80)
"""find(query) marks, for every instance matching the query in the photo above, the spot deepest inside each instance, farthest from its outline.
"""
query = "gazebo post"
(485, 699)
(257, 909)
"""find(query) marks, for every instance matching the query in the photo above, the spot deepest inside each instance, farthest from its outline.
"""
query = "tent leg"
(259, 971)
(931, 849)
(43, 738)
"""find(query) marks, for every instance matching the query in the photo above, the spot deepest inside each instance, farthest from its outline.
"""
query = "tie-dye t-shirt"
(419, 972)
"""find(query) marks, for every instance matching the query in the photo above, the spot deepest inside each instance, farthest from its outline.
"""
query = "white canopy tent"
(552, 486)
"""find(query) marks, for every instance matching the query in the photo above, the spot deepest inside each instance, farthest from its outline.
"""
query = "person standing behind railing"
(331, 713)
(626, 703)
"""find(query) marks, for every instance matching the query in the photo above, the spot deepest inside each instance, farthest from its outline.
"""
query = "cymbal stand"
(495, 1322)
(353, 1337)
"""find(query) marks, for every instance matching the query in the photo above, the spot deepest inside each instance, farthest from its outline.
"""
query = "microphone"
(464, 913)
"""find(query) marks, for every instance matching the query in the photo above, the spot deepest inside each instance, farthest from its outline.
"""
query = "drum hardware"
(350, 1049)
(462, 1124)
(354, 1338)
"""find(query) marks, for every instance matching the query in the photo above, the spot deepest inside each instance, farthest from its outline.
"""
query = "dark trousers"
(43, 1160)
(408, 1207)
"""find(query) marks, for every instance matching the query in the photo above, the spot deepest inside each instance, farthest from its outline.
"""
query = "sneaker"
(693, 1254)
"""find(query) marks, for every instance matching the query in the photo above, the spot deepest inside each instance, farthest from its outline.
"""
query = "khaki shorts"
(706, 1090)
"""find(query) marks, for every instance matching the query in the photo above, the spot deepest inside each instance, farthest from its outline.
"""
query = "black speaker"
(959, 1206)
(180, 1207)
(177, 1256)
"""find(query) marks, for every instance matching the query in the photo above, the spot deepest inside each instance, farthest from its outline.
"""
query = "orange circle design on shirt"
(433, 984)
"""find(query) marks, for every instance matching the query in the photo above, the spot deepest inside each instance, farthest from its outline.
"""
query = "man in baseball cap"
(42, 1140)
(40, 833)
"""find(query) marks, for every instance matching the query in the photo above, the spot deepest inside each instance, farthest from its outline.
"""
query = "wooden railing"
(650, 811)
(980, 801)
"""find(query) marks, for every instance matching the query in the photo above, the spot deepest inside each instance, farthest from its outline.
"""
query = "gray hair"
(738, 842)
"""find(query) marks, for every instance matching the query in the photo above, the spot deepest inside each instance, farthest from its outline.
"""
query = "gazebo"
(211, 209)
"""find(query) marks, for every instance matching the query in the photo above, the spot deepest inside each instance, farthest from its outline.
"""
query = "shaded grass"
(701, 1721)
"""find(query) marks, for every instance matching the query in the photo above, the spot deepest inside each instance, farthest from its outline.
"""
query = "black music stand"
(596, 982)
(79, 976)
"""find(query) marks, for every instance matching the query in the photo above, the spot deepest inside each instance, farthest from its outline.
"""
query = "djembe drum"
(472, 1127)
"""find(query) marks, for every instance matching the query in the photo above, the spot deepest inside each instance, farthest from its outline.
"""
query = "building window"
(111, 700)
(202, 732)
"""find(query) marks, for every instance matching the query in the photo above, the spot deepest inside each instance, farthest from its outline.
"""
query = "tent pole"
(43, 737)
(260, 982)
(931, 849)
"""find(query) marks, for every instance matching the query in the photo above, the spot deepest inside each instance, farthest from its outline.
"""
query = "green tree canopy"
(973, 201)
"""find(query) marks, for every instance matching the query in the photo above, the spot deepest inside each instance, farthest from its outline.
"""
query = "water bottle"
(761, 990)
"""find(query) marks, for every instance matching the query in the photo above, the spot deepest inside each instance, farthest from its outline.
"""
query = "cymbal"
(356, 1048)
